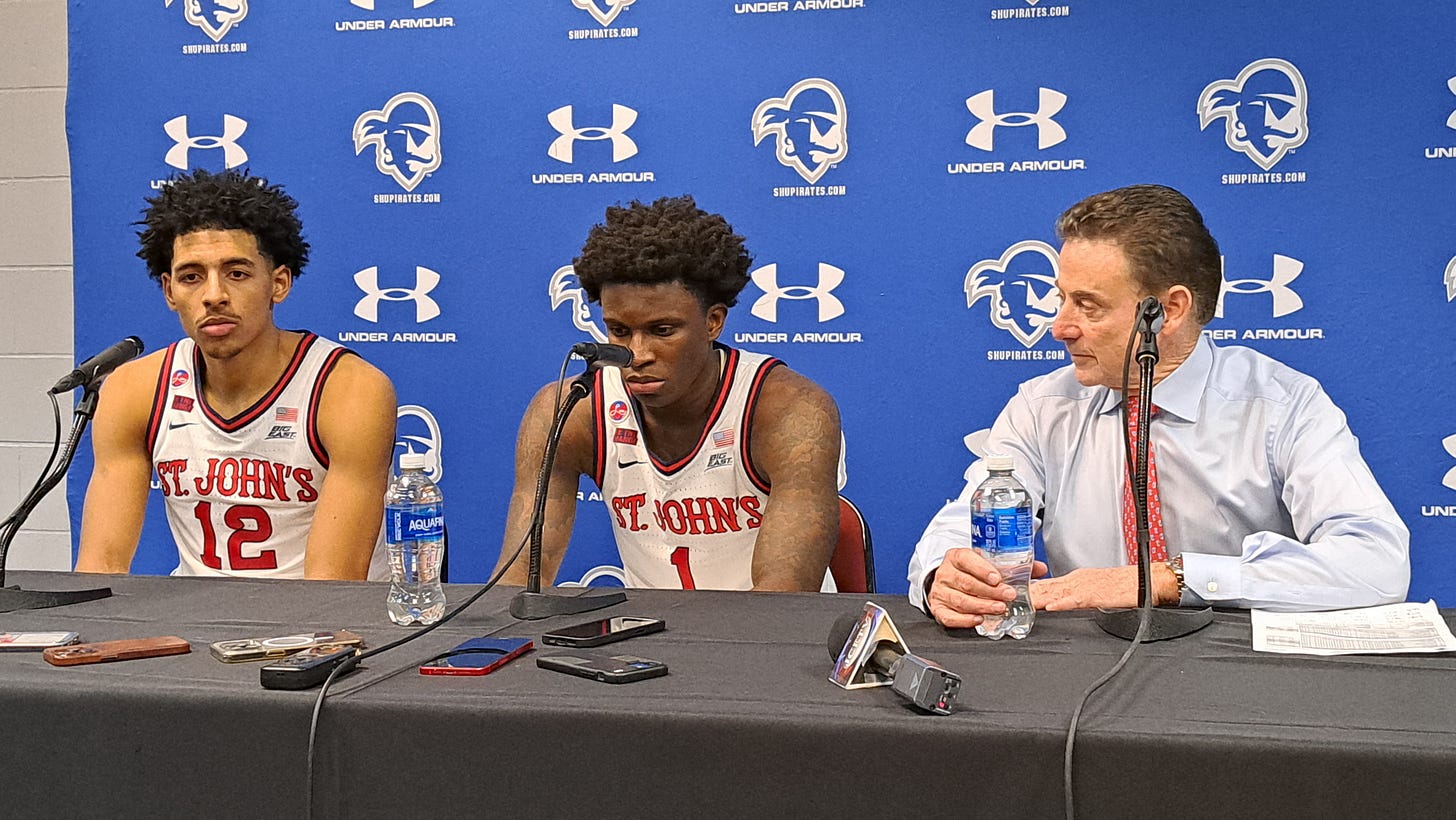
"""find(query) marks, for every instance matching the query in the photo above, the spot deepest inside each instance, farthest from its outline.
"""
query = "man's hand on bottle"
(967, 588)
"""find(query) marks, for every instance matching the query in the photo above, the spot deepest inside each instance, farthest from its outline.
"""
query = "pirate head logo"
(1021, 287)
(977, 443)
(405, 134)
(606, 15)
(215, 17)
(808, 124)
(1265, 110)
(417, 431)
(566, 289)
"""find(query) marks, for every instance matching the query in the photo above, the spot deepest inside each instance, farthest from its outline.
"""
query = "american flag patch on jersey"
(723, 438)
(286, 414)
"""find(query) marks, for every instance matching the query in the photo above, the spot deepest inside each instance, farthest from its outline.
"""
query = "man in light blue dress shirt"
(1266, 501)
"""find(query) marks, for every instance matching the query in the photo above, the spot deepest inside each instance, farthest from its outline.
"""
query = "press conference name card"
(873, 629)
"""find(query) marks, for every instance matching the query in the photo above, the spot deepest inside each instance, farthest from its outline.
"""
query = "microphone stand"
(1162, 623)
(531, 603)
(13, 597)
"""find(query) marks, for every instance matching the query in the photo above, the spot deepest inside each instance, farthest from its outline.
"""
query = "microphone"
(1149, 323)
(1150, 315)
(868, 651)
(98, 367)
(603, 354)
(531, 603)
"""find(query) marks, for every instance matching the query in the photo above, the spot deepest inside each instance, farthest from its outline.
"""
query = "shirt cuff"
(922, 587)
(1211, 578)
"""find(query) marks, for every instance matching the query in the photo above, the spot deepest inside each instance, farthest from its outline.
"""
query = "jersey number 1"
(684, 570)
(237, 518)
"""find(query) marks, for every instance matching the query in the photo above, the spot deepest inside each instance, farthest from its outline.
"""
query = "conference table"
(746, 723)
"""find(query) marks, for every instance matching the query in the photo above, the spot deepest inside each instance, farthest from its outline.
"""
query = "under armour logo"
(1286, 301)
(1021, 288)
(405, 134)
(1265, 110)
(1451, 279)
(1449, 442)
(1451, 120)
(368, 5)
(233, 154)
(623, 146)
(603, 16)
(215, 17)
(429, 443)
(1048, 132)
(566, 289)
(767, 306)
(808, 124)
(367, 308)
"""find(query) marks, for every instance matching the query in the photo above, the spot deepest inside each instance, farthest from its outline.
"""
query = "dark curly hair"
(671, 240)
(231, 200)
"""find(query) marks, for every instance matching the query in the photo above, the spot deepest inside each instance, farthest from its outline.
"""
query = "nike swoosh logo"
(175, 425)
(622, 465)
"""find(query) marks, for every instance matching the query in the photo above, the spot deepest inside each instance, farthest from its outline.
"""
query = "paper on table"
(1376, 630)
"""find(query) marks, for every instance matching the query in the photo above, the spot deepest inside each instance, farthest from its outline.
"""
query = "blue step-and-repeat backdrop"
(896, 166)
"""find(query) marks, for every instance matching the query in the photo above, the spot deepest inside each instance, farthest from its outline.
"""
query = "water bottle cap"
(412, 461)
(1000, 463)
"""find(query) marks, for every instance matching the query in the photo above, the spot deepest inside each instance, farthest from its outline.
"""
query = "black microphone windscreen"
(839, 633)
(603, 354)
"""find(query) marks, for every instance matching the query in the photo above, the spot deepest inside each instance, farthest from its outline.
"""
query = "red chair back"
(853, 562)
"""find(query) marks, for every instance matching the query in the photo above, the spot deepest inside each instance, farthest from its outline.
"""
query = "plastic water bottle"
(1001, 531)
(414, 524)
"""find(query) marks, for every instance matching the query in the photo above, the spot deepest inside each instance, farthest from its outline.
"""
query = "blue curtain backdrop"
(896, 166)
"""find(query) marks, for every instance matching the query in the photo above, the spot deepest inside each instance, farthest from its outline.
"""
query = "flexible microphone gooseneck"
(531, 603)
(89, 375)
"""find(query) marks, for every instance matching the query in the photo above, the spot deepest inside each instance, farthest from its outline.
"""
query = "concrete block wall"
(35, 267)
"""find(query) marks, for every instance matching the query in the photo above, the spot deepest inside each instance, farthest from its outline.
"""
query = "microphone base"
(13, 598)
(533, 606)
(1165, 624)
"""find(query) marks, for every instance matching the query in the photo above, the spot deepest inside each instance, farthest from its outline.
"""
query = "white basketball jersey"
(690, 524)
(241, 492)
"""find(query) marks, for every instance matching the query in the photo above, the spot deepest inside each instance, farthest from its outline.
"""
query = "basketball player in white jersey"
(272, 447)
(718, 467)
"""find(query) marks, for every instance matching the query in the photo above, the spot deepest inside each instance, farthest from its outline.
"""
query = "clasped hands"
(967, 588)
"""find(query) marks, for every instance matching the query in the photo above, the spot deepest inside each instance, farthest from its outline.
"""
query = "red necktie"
(1157, 544)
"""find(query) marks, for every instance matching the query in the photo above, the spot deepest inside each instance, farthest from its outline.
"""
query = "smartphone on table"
(258, 649)
(123, 650)
(35, 641)
(478, 656)
(602, 667)
(604, 631)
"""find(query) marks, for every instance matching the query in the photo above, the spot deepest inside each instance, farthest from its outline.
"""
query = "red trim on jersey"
(159, 398)
(749, 406)
(599, 432)
(730, 371)
(251, 414)
(316, 444)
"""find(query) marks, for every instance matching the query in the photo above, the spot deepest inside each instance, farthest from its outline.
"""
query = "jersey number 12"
(249, 523)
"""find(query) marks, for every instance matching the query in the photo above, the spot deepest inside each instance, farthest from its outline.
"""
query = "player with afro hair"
(718, 467)
(231, 200)
(239, 390)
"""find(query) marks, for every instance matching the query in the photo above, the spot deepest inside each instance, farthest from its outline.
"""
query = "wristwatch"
(1176, 564)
